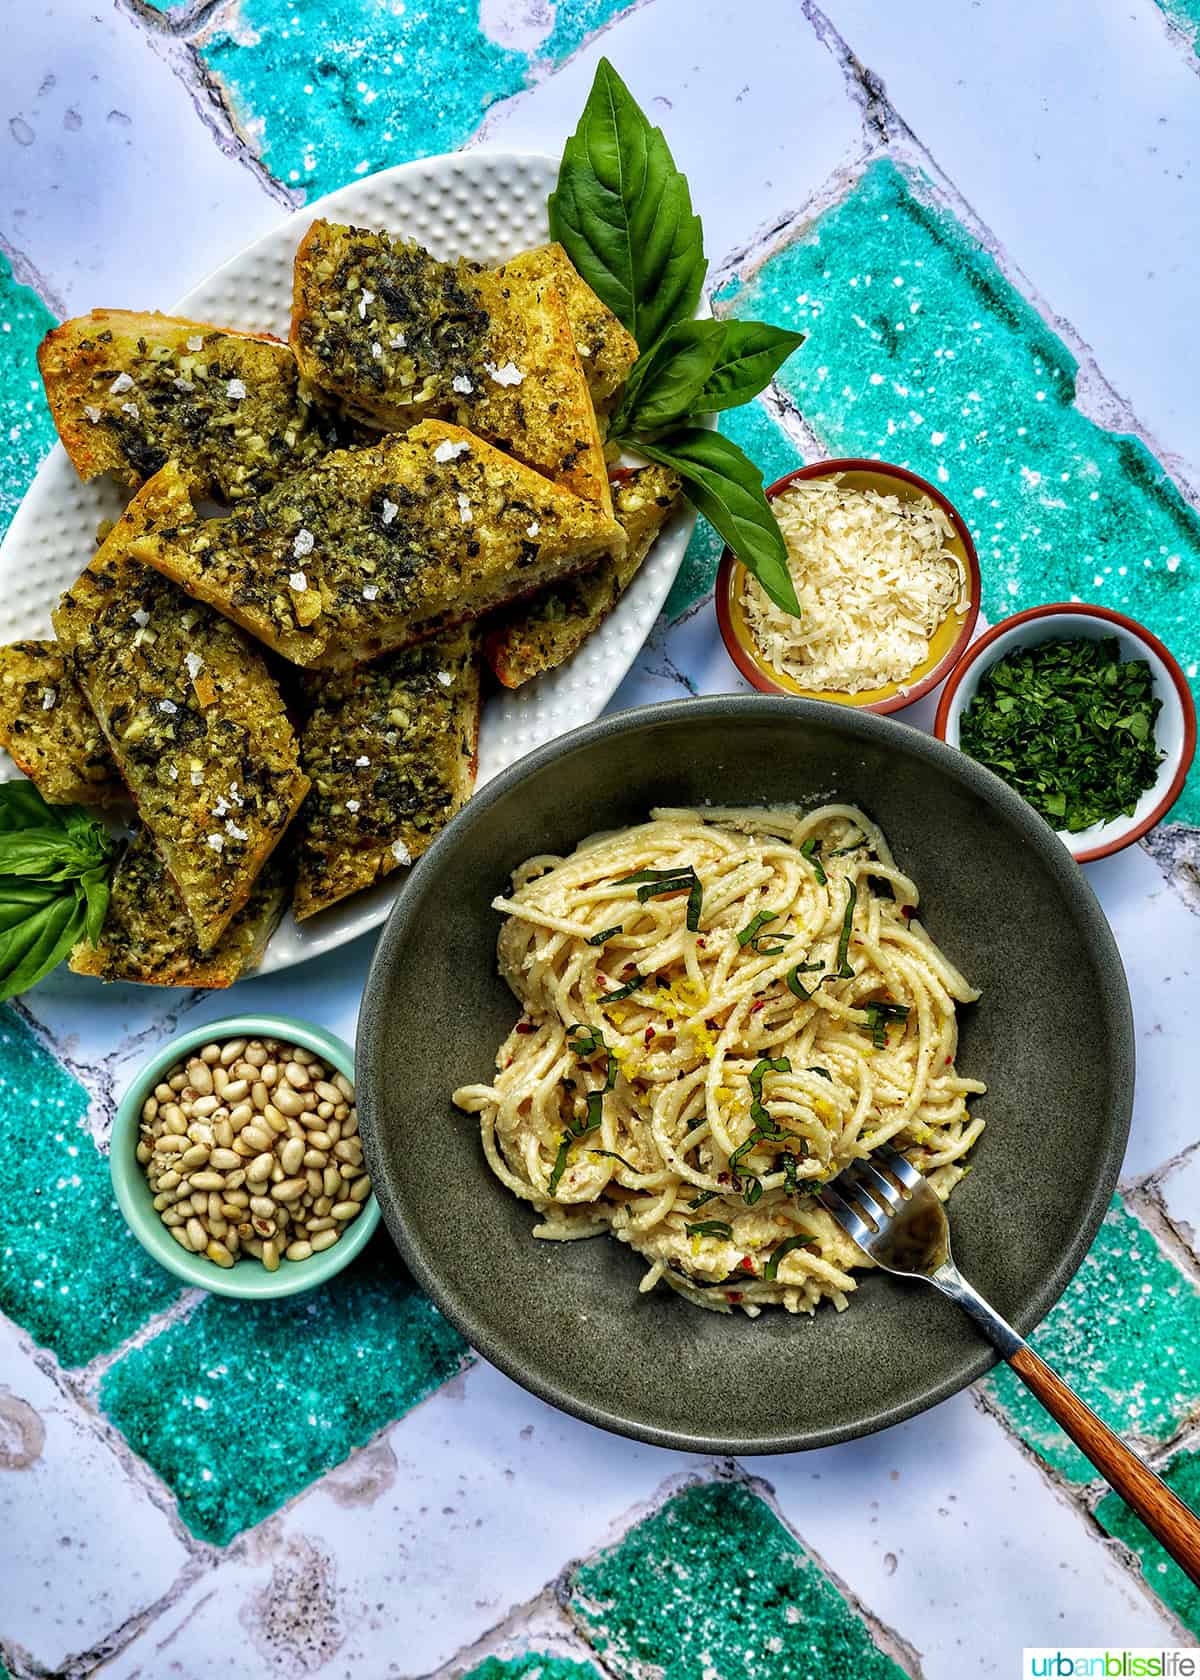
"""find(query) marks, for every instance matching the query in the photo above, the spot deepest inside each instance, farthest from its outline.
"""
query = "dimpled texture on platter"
(485, 205)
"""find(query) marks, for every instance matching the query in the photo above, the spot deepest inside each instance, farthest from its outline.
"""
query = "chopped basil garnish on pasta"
(879, 1018)
(809, 850)
(605, 934)
(746, 936)
(624, 991)
(771, 1269)
(710, 1228)
(704, 1196)
(824, 1072)
(612, 1155)
(844, 970)
(659, 882)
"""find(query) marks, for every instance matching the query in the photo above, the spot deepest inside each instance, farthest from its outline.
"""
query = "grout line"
(25, 274)
(539, 1622)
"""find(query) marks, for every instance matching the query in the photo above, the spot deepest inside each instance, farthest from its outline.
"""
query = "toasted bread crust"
(607, 350)
(148, 937)
(395, 336)
(375, 549)
(527, 640)
(193, 718)
(50, 730)
(391, 749)
(129, 391)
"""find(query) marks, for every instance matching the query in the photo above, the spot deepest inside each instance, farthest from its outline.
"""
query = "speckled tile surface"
(191, 1488)
(1162, 1575)
(1127, 1335)
(713, 1582)
(239, 1406)
(70, 1271)
(24, 418)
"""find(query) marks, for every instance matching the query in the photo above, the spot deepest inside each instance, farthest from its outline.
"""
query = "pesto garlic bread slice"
(128, 392)
(391, 751)
(373, 549)
(607, 351)
(193, 718)
(148, 937)
(540, 633)
(50, 731)
(393, 336)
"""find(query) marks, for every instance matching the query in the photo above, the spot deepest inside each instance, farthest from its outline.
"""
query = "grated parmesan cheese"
(874, 576)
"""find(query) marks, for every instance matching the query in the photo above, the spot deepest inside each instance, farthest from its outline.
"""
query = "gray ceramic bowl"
(1052, 1036)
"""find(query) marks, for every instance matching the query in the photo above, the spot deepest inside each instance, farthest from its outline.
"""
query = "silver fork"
(890, 1210)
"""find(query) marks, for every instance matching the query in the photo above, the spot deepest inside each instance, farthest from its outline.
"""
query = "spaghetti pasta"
(722, 1009)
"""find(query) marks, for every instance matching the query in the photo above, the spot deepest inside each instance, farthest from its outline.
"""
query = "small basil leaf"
(623, 213)
(666, 383)
(22, 806)
(749, 355)
(727, 489)
(95, 886)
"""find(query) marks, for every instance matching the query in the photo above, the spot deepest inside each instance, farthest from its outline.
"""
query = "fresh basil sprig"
(55, 862)
(623, 213)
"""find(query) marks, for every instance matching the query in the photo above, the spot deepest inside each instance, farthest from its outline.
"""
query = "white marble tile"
(112, 186)
(956, 1542)
(65, 1496)
(460, 1512)
(1180, 1192)
(757, 131)
(1072, 131)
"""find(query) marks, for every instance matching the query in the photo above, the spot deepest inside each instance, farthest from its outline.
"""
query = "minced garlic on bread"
(391, 749)
(607, 351)
(49, 729)
(373, 549)
(148, 937)
(394, 335)
(194, 720)
(128, 392)
(540, 633)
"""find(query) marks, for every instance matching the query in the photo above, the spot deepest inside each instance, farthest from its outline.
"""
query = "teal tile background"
(242, 1405)
(713, 1583)
(1126, 1336)
(1163, 1576)
(922, 353)
(71, 1272)
(351, 86)
(25, 421)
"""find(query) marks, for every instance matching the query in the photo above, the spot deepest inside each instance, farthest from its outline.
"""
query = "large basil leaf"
(727, 489)
(623, 213)
(749, 356)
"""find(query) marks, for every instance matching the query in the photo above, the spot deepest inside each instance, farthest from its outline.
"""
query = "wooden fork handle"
(1173, 1525)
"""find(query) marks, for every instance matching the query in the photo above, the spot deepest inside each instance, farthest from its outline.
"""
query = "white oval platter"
(486, 205)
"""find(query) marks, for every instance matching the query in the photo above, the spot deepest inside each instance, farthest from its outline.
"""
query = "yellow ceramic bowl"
(946, 646)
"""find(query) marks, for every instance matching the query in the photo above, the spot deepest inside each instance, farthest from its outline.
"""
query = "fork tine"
(856, 1189)
(896, 1163)
(846, 1217)
(882, 1185)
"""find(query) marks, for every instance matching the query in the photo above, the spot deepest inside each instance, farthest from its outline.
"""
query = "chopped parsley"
(1070, 726)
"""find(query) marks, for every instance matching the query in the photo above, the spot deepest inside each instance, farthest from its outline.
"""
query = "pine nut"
(257, 1137)
(207, 1181)
(289, 1190)
(291, 1156)
(263, 1206)
(169, 1144)
(275, 1120)
(325, 1223)
(299, 1250)
(268, 1073)
(232, 1051)
(178, 1082)
(235, 1180)
(315, 1158)
(162, 1202)
(217, 1251)
(223, 1134)
(234, 1194)
(220, 1079)
(265, 1227)
(286, 1100)
(204, 1106)
(196, 1234)
(163, 1093)
(346, 1210)
(348, 1149)
(181, 1237)
(231, 1211)
(240, 1114)
(360, 1189)
(324, 1111)
(297, 1075)
(218, 1227)
(350, 1124)
(323, 1240)
(168, 1180)
(344, 1086)
(225, 1160)
(196, 1156)
(174, 1119)
(316, 1184)
(323, 1204)
(327, 1092)
(259, 1170)
(236, 1091)
(149, 1108)
(270, 1256)
(200, 1077)
(320, 1140)
(333, 1130)
(259, 1094)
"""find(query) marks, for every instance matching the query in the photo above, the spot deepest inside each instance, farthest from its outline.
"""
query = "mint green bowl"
(247, 1279)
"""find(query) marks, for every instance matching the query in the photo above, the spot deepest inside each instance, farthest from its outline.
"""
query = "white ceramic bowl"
(1175, 730)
